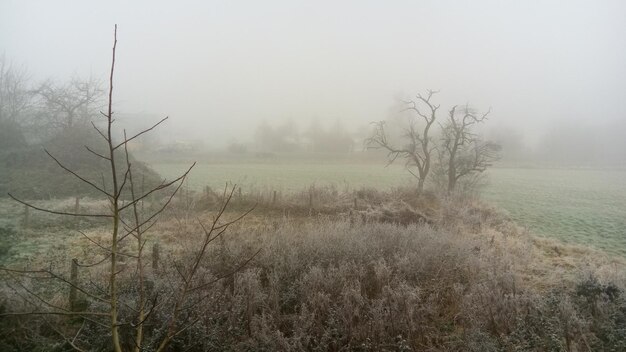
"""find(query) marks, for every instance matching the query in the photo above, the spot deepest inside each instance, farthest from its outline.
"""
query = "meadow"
(577, 206)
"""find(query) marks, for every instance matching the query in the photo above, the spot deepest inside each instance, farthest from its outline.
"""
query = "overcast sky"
(218, 66)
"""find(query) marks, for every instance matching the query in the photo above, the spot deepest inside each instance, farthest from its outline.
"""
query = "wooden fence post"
(155, 256)
(77, 210)
(274, 198)
(73, 285)
(26, 216)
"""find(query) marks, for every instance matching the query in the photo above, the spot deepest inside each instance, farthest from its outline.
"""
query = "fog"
(426, 175)
(219, 69)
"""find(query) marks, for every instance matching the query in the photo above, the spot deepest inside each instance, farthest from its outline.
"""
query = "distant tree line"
(566, 143)
(287, 137)
(36, 111)
(58, 116)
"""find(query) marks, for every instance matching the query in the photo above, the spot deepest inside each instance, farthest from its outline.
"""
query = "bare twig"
(96, 153)
(126, 140)
(162, 186)
(77, 175)
(59, 212)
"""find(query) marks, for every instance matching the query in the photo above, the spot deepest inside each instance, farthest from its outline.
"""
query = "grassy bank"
(577, 206)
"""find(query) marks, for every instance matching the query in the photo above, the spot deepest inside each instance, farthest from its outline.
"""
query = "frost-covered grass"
(464, 279)
(45, 233)
(577, 206)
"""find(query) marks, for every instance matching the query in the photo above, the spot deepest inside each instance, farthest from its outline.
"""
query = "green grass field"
(573, 205)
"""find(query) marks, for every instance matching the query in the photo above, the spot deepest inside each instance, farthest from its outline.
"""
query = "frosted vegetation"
(393, 273)
(578, 206)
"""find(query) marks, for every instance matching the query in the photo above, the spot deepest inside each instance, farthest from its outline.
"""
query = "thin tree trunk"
(451, 178)
(116, 214)
(74, 281)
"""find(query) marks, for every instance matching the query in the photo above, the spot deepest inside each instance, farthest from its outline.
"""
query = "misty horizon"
(220, 69)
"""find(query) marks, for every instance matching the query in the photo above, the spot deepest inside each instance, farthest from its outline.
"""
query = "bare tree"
(463, 152)
(417, 152)
(71, 103)
(48, 108)
(123, 317)
(15, 96)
